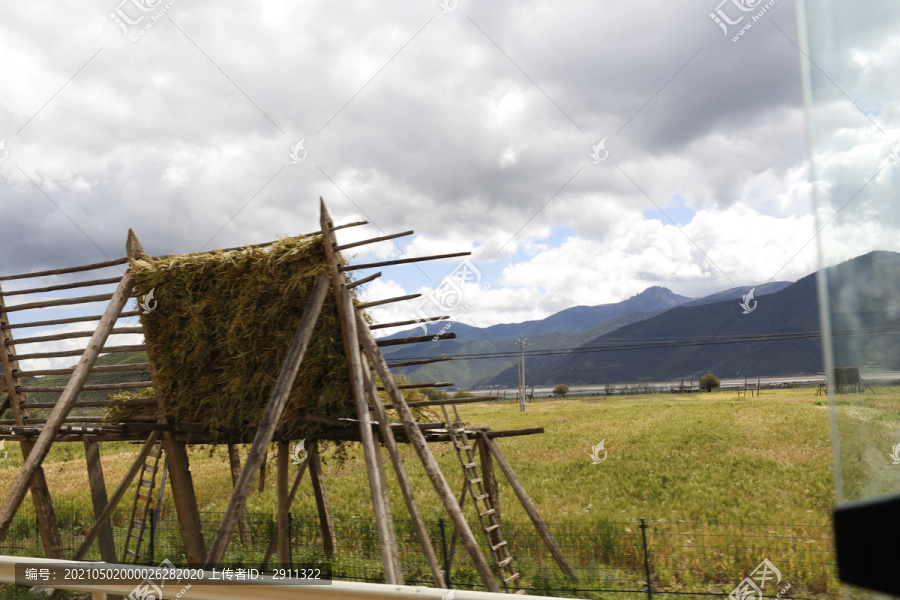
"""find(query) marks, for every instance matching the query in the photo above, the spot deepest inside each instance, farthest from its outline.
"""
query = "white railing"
(264, 589)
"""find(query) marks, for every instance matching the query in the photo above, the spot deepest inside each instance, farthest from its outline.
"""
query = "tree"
(708, 382)
(561, 390)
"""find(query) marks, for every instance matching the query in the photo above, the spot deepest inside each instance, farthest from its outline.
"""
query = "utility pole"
(522, 341)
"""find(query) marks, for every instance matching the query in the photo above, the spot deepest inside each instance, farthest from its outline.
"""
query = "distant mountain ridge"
(795, 308)
(568, 328)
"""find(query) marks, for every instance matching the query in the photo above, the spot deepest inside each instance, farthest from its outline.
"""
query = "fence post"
(152, 537)
(643, 527)
(444, 552)
(290, 542)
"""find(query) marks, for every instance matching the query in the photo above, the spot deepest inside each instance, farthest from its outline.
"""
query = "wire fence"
(610, 559)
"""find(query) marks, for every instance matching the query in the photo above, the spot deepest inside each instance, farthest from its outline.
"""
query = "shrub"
(461, 393)
(708, 382)
(561, 390)
(435, 394)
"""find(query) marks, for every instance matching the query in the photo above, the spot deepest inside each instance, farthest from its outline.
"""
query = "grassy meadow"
(697, 466)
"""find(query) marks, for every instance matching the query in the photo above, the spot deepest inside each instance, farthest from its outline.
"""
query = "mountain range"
(594, 336)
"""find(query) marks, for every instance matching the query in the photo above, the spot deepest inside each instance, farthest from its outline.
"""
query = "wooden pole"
(283, 531)
(383, 519)
(455, 537)
(326, 522)
(98, 497)
(262, 471)
(269, 421)
(234, 461)
(274, 541)
(185, 500)
(387, 436)
(487, 473)
(40, 492)
(103, 517)
(528, 505)
(428, 461)
(64, 405)
(183, 493)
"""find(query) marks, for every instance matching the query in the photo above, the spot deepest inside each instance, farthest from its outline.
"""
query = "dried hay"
(221, 331)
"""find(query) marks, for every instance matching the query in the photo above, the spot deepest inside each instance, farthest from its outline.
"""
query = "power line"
(619, 345)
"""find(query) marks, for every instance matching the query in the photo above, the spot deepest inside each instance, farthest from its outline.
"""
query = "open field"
(695, 466)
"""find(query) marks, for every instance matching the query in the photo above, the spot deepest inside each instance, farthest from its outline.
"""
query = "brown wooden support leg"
(234, 461)
(284, 528)
(324, 507)
(98, 496)
(185, 500)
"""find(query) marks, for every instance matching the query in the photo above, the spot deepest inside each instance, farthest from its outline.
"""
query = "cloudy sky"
(583, 151)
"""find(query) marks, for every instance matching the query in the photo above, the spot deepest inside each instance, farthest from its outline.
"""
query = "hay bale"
(221, 331)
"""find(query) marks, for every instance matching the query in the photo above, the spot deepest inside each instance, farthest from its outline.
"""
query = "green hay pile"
(222, 328)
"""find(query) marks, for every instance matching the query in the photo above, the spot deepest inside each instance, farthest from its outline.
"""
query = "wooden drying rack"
(371, 427)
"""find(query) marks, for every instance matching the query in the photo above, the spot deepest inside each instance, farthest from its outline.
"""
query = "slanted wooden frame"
(363, 357)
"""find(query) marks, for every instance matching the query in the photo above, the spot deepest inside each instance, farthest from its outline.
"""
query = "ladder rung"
(143, 496)
(482, 496)
(500, 545)
(490, 511)
(492, 528)
(505, 561)
(470, 465)
(145, 483)
(464, 447)
(137, 524)
(132, 552)
(512, 577)
(476, 480)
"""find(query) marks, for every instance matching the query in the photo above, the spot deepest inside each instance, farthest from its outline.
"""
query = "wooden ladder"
(487, 514)
(140, 510)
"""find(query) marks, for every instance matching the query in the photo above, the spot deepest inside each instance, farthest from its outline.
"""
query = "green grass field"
(696, 466)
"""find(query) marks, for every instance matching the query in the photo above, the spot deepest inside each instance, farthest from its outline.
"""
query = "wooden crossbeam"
(40, 493)
(91, 267)
(386, 301)
(402, 261)
(374, 240)
(64, 404)
(416, 339)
